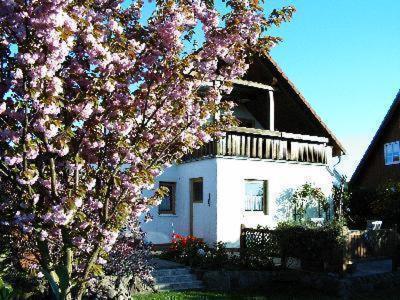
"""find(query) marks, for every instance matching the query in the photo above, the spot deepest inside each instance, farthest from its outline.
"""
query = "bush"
(6, 291)
(382, 203)
(313, 245)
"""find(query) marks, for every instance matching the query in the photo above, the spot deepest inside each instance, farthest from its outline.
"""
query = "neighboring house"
(381, 162)
(248, 176)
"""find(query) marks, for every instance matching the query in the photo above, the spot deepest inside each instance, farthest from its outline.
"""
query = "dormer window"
(392, 153)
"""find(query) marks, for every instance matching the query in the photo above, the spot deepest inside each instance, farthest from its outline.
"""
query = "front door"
(196, 198)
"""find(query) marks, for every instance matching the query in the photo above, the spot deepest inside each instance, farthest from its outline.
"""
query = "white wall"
(283, 178)
(223, 179)
(159, 230)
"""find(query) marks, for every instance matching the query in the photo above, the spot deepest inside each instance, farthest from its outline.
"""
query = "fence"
(364, 244)
(258, 247)
(368, 244)
(262, 238)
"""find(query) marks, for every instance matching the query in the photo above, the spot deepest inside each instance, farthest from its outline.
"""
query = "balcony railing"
(265, 144)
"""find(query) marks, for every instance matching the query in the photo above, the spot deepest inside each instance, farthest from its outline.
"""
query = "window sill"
(167, 215)
(255, 213)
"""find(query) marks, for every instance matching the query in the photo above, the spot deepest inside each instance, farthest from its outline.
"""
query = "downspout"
(333, 170)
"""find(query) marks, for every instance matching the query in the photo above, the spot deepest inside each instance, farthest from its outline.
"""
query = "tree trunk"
(81, 286)
(65, 277)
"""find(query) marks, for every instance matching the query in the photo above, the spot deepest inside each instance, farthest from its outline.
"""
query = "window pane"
(389, 148)
(254, 196)
(396, 151)
(167, 203)
(391, 153)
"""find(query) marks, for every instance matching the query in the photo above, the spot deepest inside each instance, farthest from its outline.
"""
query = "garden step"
(175, 278)
(191, 285)
(172, 279)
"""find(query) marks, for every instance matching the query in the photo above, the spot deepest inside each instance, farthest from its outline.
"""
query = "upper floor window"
(167, 205)
(256, 196)
(392, 153)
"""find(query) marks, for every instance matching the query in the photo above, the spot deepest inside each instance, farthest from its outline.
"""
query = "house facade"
(381, 162)
(248, 176)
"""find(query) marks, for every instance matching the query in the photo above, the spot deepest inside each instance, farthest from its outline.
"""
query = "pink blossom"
(91, 184)
(78, 202)
(101, 261)
(51, 110)
(3, 108)
(11, 161)
(43, 235)
(114, 26)
(29, 180)
(111, 100)
(32, 153)
(109, 87)
(51, 131)
(63, 151)
(18, 74)
(78, 241)
(35, 199)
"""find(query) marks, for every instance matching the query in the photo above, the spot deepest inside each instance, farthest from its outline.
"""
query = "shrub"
(311, 243)
(6, 291)
(218, 257)
(308, 196)
(382, 203)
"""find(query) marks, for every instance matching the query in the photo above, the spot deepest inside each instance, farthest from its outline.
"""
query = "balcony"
(264, 144)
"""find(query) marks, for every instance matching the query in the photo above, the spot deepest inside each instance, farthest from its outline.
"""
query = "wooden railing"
(265, 144)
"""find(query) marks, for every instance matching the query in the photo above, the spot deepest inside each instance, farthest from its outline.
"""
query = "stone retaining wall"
(225, 280)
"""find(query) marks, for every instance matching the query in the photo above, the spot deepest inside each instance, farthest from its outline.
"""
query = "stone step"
(171, 272)
(175, 278)
(191, 285)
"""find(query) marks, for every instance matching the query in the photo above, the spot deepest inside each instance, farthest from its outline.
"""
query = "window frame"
(172, 211)
(192, 196)
(390, 155)
(265, 200)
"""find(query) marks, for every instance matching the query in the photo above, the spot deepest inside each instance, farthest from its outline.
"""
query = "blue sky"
(344, 56)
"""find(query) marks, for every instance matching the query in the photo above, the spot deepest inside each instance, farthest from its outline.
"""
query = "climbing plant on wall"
(307, 196)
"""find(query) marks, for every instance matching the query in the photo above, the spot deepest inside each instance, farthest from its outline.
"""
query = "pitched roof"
(375, 141)
(338, 148)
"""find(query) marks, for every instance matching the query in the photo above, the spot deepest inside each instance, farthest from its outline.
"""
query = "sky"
(344, 57)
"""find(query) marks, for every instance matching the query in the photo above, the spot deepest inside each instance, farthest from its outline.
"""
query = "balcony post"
(271, 111)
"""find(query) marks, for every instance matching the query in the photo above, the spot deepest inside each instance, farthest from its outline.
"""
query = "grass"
(278, 293)
(203, 295)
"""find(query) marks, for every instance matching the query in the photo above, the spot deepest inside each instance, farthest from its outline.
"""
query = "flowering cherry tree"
(95, 102)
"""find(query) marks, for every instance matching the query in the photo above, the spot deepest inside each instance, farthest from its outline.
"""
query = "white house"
(248, 176)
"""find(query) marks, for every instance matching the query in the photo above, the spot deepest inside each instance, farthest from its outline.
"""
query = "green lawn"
(291, 293)
(218, 295)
